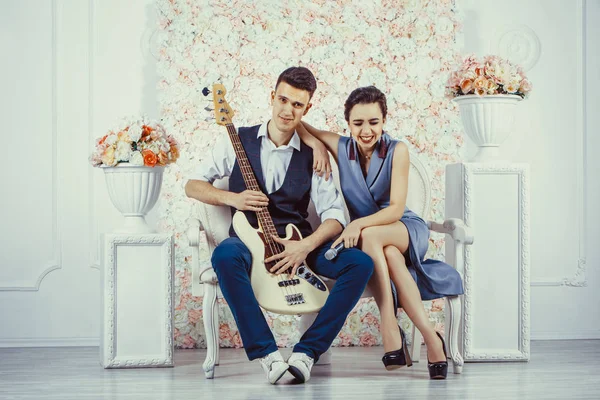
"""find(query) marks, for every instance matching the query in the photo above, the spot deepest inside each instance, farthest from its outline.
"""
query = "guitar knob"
(301, 270)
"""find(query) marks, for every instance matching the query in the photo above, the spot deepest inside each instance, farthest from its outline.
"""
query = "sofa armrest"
(204, 274)
(461, 236)
(454, 227)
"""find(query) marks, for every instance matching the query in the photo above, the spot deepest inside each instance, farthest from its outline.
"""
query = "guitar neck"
(264, 218)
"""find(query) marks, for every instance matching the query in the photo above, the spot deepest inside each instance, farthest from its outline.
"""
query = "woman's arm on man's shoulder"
(309, 133)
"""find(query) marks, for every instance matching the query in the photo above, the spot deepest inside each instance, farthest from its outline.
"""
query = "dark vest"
(289, 203)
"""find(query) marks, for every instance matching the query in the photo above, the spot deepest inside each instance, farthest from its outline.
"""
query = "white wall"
(71, 68)
(555, 134)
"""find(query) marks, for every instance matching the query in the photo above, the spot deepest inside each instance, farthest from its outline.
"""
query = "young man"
(282, 165)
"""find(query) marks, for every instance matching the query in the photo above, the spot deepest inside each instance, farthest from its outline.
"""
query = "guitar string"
(269, 230)
(273, 246)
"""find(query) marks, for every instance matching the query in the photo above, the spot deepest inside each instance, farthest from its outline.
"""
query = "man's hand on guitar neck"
(251, 200)
(292, 257)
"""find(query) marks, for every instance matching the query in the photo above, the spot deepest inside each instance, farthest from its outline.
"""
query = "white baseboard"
(561, 335)
(51, 342)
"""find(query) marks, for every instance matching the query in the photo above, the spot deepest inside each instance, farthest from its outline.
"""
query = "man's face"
(289, 106)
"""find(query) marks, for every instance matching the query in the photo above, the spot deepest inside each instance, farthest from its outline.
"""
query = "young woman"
(374, 180)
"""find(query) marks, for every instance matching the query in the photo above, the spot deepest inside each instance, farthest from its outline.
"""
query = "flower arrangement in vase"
(487, 92)
(133, 156)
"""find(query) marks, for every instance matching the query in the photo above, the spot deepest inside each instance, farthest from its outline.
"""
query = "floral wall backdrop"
(406, 48)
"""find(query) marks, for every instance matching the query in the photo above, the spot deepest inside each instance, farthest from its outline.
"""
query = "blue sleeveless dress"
(366, 196)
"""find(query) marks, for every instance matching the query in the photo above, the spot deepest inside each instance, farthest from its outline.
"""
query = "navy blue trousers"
(351, 269)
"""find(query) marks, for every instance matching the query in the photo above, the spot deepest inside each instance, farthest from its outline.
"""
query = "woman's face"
(366, 124)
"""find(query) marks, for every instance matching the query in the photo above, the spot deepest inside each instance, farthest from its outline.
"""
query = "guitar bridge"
(294, 299)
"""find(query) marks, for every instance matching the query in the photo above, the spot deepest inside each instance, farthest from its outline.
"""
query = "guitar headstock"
(223, 112)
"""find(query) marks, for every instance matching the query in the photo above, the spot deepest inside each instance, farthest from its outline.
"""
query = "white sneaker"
(300, 366)
(274, 366)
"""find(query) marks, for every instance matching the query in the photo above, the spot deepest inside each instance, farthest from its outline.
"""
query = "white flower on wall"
(406, 48)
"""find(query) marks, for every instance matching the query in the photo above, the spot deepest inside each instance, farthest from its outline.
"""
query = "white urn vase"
(488, 121)
(134, 190)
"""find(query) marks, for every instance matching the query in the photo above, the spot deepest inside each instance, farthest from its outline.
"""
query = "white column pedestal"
(493, 199)
(137, 301)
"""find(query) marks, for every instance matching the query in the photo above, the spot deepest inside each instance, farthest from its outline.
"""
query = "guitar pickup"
(289, 282)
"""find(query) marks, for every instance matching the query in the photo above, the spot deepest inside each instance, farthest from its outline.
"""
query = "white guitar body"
(306, 293)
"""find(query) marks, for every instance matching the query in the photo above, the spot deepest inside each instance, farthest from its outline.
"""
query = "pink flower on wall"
(194, 316)
(367, 339)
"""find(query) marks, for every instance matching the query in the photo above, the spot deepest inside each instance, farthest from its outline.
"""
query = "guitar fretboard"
(264, 218)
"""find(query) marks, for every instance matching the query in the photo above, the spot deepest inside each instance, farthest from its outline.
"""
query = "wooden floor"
(557, 370)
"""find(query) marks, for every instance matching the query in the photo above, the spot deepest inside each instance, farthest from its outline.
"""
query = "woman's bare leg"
(411, 302)
(373, 240)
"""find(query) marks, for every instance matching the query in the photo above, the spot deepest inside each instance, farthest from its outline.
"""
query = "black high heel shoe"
(438, 370)
(397, 358)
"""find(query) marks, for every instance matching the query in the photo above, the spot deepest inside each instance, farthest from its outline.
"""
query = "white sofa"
(215, 221)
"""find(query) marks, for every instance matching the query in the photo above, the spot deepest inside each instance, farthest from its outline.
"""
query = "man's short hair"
(300, 78)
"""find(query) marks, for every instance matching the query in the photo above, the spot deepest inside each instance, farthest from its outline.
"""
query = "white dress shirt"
(274, 162)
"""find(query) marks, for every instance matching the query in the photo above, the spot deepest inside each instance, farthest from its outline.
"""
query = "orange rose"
(150, 158)
(146, 130)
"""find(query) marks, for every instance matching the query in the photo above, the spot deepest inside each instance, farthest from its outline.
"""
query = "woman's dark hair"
(300, 78)
(365, 95)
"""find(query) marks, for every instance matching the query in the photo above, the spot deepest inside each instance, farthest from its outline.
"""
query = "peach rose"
(150, 158)
(525, 86)
(480, 91)
(162, 158)
(124, 136)
(480, 83)
(510, 88)
(466, 86)
(491, 86)
(108, 158)
(174, 153)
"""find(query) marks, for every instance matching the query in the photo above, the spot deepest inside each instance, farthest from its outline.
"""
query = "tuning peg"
(207, 108)
(205, 91)
(209, 119)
